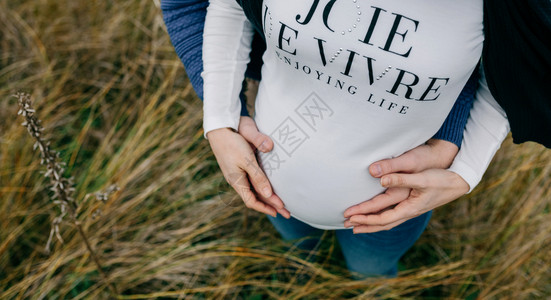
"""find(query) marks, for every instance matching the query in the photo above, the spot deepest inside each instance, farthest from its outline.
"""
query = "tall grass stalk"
(62, 187)
(121, 109)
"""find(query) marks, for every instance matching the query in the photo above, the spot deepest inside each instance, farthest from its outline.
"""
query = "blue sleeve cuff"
(454, 125)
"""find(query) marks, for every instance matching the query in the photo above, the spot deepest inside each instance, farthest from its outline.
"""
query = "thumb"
(249, 131)
(406, 163)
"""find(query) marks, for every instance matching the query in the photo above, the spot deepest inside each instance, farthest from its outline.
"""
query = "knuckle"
(244, 193)
(358, 220)
(423, 182)
(405, 215)
(258, 178)
(415, 193)
(254, 172)
(241, 161)
(249, 160)
(415, 163)
(258, 139)
(397, 180)
(386, 166)
(364, 220)
(237, 183)
(374, 221)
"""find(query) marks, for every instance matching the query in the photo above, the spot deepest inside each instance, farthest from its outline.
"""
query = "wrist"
(219, 132)
(445, 151)
(460, 183)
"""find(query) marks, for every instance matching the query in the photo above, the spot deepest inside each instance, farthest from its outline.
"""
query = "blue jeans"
(370, 254)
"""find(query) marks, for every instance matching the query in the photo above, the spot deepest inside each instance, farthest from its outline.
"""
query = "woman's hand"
(409, 195)
(234, 153)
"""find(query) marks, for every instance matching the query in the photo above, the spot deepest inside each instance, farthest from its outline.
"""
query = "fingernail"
(266, 192)
(385, 181)
(377, 170)
(263, 147)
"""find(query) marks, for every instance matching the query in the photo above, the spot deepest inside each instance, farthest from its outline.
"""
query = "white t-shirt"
(345, 84)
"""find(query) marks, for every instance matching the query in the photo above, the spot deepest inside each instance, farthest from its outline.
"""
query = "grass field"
(115, 102)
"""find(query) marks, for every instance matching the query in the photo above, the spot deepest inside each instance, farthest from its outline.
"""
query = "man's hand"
(409, 195)
(258, 140)
(434, 154)
(238, 163)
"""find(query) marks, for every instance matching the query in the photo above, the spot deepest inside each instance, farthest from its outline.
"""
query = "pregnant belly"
(319, 166)
(317, 185)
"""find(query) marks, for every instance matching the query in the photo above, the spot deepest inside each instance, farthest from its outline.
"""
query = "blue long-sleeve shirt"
(185, 20)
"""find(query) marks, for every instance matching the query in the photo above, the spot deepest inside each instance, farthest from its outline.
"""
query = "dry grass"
(116, 103)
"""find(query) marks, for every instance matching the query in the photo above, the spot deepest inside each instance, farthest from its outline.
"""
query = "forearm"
(185, 21)
(485, 130)
(454, 125)
(226, 46)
